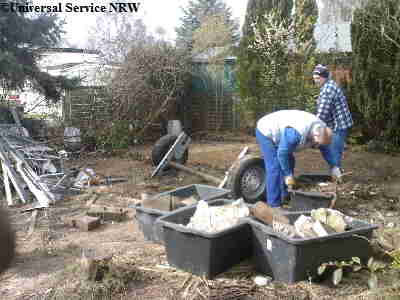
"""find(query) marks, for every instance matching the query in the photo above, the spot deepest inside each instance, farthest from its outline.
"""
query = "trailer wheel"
(247, 179)
(161, 148)
(7, 241)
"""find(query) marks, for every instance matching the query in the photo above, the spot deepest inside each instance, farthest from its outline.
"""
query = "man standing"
(332, 108)
(279, 134)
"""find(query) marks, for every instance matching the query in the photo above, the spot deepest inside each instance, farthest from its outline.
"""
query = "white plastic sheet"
(211, 219)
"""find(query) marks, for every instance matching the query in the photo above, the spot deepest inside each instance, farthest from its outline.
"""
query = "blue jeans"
(276, 188)
(333, 153)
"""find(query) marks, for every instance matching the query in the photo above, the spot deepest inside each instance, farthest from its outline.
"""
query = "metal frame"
(25, 163)
(176, 151)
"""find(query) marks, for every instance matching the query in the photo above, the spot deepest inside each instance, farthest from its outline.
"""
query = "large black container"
(291, 260)
(313, 178)
(146, 217)
(303, 201)
(204, 254)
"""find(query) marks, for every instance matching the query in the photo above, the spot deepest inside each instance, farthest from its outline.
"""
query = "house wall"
(50, 58)
(337, 11)
(69, 63)
(332, 31)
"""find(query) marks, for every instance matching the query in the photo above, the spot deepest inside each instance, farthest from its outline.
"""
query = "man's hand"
(336, 174)
(290, 182)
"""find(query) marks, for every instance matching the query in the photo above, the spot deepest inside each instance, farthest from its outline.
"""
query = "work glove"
(336, 174)
(290, 182)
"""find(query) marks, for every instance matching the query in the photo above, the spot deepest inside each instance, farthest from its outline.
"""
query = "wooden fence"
(86, 107)
(210, 112)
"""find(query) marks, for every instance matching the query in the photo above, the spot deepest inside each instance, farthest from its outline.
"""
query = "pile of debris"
(31, 167)
(211, 219)
(321, 222)
(36, 171)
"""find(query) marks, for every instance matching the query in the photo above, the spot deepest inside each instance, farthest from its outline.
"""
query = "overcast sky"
(164, 13)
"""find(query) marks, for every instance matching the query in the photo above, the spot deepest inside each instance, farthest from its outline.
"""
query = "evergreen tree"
(260, 7)
(254, 75)
(21, 34)
(193, 15)
(305, 17)
(376, 69)
(304, 58)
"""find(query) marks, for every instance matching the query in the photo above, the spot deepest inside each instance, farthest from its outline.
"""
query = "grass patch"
(119, 273)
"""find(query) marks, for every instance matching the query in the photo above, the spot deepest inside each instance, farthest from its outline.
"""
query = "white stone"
(261, 280)
(390, 225)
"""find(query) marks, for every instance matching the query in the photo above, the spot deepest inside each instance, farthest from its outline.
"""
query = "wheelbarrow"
(245, 178)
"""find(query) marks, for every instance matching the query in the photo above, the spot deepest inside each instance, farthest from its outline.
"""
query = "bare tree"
(114, 34)
(212, 32)
(212, 42)
(147, 73)
(150, 80)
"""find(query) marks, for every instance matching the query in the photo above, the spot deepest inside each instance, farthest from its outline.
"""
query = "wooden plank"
(6, 181)
(107, 212)
(31, 179)
(18, 185)
(33, 222)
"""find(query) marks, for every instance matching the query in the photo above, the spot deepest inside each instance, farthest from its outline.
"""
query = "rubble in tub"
(212, 219)
(321, 222)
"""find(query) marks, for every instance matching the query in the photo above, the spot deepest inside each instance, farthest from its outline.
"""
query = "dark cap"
(321, 70)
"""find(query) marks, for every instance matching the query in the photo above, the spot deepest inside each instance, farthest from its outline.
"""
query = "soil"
(48, 260)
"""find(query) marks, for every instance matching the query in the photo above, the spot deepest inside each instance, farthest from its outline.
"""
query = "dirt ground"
(48, 262)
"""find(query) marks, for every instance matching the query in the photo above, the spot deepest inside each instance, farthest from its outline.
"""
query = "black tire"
(161, 148)
(7, 241)
(247, 179)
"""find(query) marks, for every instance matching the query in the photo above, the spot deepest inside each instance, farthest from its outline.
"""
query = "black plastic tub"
(303, 201)
(313, 178)
(146, 217)
(295, 259)
(204, 254)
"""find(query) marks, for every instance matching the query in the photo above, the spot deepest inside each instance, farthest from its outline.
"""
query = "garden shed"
(211, 101)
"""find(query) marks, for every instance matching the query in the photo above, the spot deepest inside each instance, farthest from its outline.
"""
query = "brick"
(85, 223)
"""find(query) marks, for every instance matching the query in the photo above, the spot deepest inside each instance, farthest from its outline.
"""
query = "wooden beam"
(205, 176)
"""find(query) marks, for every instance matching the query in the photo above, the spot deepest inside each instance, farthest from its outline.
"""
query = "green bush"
(116, 136)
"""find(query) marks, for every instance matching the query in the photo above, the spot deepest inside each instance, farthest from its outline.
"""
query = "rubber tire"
(161, 148)
(236, 177)
(7, 241)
